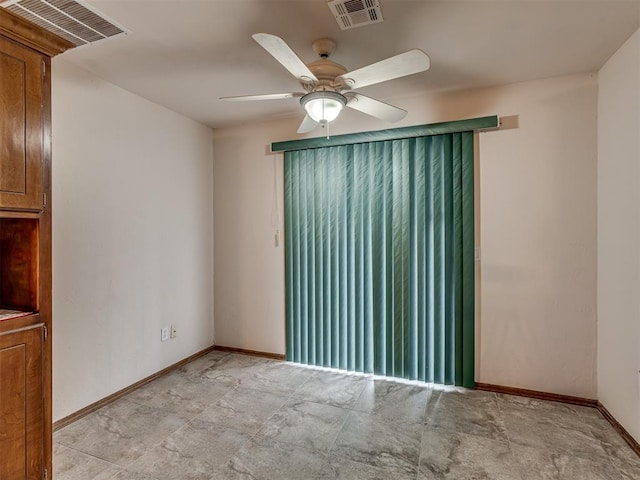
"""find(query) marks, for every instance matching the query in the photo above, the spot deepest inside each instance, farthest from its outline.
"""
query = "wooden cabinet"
(21, 133)
(22, 403)
(25, 247)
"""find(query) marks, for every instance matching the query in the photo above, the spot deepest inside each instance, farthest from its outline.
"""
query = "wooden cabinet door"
(21, 127)
(22, 404)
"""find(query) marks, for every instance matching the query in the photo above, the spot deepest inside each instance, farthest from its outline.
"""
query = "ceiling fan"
(328, 86)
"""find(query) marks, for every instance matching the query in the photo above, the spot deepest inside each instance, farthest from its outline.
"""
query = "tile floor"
(228, 416)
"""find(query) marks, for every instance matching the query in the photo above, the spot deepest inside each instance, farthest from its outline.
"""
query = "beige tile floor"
(228, 416)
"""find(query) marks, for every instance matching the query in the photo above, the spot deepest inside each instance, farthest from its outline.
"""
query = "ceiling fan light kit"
(329, 87)
(323, 107)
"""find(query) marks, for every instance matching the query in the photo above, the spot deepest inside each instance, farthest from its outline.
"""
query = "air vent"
(73, 20)
(355, 13)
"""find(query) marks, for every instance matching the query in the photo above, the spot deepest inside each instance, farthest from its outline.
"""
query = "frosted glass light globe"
(323, 107)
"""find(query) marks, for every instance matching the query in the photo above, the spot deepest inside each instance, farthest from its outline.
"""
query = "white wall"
(537, 221)
(132, 237)
(249, 267)
(619, 235)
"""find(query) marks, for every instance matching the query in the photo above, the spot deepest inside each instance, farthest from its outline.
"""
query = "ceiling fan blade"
(269, 96)
(375, 108)
(406, 63)
(287, 57)
(307, 125)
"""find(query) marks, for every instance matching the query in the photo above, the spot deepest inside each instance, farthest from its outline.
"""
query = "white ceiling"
(185, 54)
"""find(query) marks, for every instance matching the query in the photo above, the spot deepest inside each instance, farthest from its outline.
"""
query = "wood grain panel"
(13, 412)
(253, 353)
(44, 264)
(19, 264)
(20, 323)
(33, 36)
(523, 392)
(29, 265)
(12, 125)
(21, 139)
(21, 403)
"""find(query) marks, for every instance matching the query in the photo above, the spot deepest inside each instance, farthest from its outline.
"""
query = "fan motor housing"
(326, 72)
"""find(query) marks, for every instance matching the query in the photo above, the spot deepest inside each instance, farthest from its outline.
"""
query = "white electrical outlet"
(164, 334)
(174, 331)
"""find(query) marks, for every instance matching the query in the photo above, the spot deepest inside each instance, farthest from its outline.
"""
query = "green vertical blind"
(380, 257)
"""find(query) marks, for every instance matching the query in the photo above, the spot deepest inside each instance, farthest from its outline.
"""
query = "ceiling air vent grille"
(355, 13)
(71, 19)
